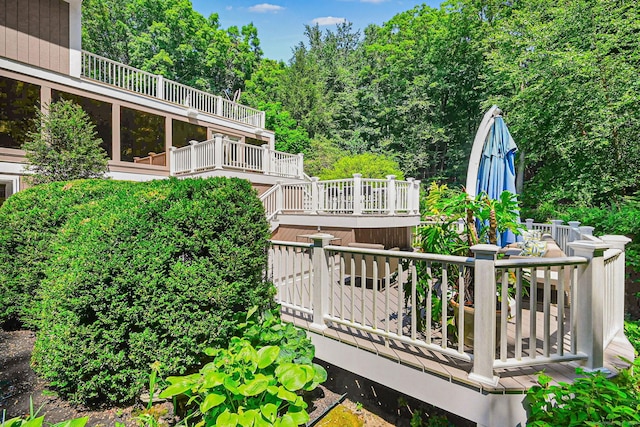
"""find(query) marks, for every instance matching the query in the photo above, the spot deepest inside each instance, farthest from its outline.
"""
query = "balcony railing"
(116, 74)
(224, 153)
(398, 303)
(353, 196)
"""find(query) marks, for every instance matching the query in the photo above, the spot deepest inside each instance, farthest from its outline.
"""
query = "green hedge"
(147, 272)
(29, 221)
(621, 217)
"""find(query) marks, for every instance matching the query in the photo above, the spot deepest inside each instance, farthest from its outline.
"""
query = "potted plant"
(456, 223)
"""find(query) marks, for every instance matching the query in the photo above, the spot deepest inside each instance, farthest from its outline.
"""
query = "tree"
(368, 164)
(64, 145)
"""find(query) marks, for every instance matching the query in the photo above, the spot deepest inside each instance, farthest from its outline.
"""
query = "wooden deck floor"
(452, 369)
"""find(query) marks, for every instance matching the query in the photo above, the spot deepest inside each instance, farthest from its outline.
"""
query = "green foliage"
(254, 381)
(64, 145)
(168, 37)
(29, 223)
(322, 155)
(632, 332)
(564, 72)
(33, 420)
(590, 400)
(150, 272)
(452, 231)
(621, 217)
(368, 164)
(268, 329)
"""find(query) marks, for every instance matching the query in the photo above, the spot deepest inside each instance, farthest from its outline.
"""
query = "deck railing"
(224, 153)
(114, 73)
(354, 196)
(558, 309)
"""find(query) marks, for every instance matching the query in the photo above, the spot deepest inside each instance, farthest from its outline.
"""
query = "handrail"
(221, 153)
(110, 72)
(585, 317)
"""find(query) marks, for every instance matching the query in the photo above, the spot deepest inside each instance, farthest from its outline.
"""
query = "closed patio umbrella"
(492, 163)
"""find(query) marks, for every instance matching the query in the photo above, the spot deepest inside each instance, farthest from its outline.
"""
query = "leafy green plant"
(247, 386)
(263, 329)
(256, 380)
(458, 222)
(33, 420)
(632, 331)
(590, 400)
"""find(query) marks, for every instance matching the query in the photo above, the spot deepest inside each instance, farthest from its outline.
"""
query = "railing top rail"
(119, 64)
(345, 180)
(377, 180)
(269, 192)
(611, 253)
(283, 153)
(447, 259)
(291, 244)
(540, 262)
(171, 82)
(297, 184)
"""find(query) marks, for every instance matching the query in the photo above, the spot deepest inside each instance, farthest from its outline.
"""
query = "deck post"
(357, 194)
(300, 166)
(315, 191)
(391, 193)
(218, 151)
(574, 234)
(219, 106)
(529, 223)
(619, 243)
(192, 164)
(266, 157)
(172, 161)
(484, 330)
(416, 202)
(159, 86)
(586, 230)
(590, 302)
(279, 197)
(410, 198)
(321, 279)
(554, 228)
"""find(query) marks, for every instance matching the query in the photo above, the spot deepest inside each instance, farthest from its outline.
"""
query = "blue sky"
(281, 23)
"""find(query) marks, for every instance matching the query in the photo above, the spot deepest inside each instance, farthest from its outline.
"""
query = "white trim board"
(500, 410)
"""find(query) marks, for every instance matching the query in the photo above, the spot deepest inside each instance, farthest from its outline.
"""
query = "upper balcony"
(109, 72)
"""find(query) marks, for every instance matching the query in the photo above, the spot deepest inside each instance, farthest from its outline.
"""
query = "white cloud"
(266, 8)
(328, 20)
(229, 8)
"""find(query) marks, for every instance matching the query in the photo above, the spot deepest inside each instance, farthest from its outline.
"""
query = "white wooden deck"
(453, 369)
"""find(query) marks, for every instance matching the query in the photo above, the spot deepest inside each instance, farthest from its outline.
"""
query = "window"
(183, 132)
(18, 102)
(3, 193)
(142, 137)
(99, 112)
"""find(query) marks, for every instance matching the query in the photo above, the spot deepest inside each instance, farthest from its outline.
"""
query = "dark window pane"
(3, 193)
(140, 135)
(98, 111)
(183, 132)
(18, 102)
(253, 141)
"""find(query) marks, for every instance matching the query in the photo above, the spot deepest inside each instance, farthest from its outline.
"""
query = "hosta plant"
(245, 386)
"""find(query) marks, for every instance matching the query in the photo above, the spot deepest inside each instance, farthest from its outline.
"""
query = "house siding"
(36, 32)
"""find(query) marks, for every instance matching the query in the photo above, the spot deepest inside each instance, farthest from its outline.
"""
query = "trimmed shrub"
(29, 221)
(151, 272)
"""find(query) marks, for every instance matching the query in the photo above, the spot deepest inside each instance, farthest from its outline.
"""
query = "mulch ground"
(19, 385)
